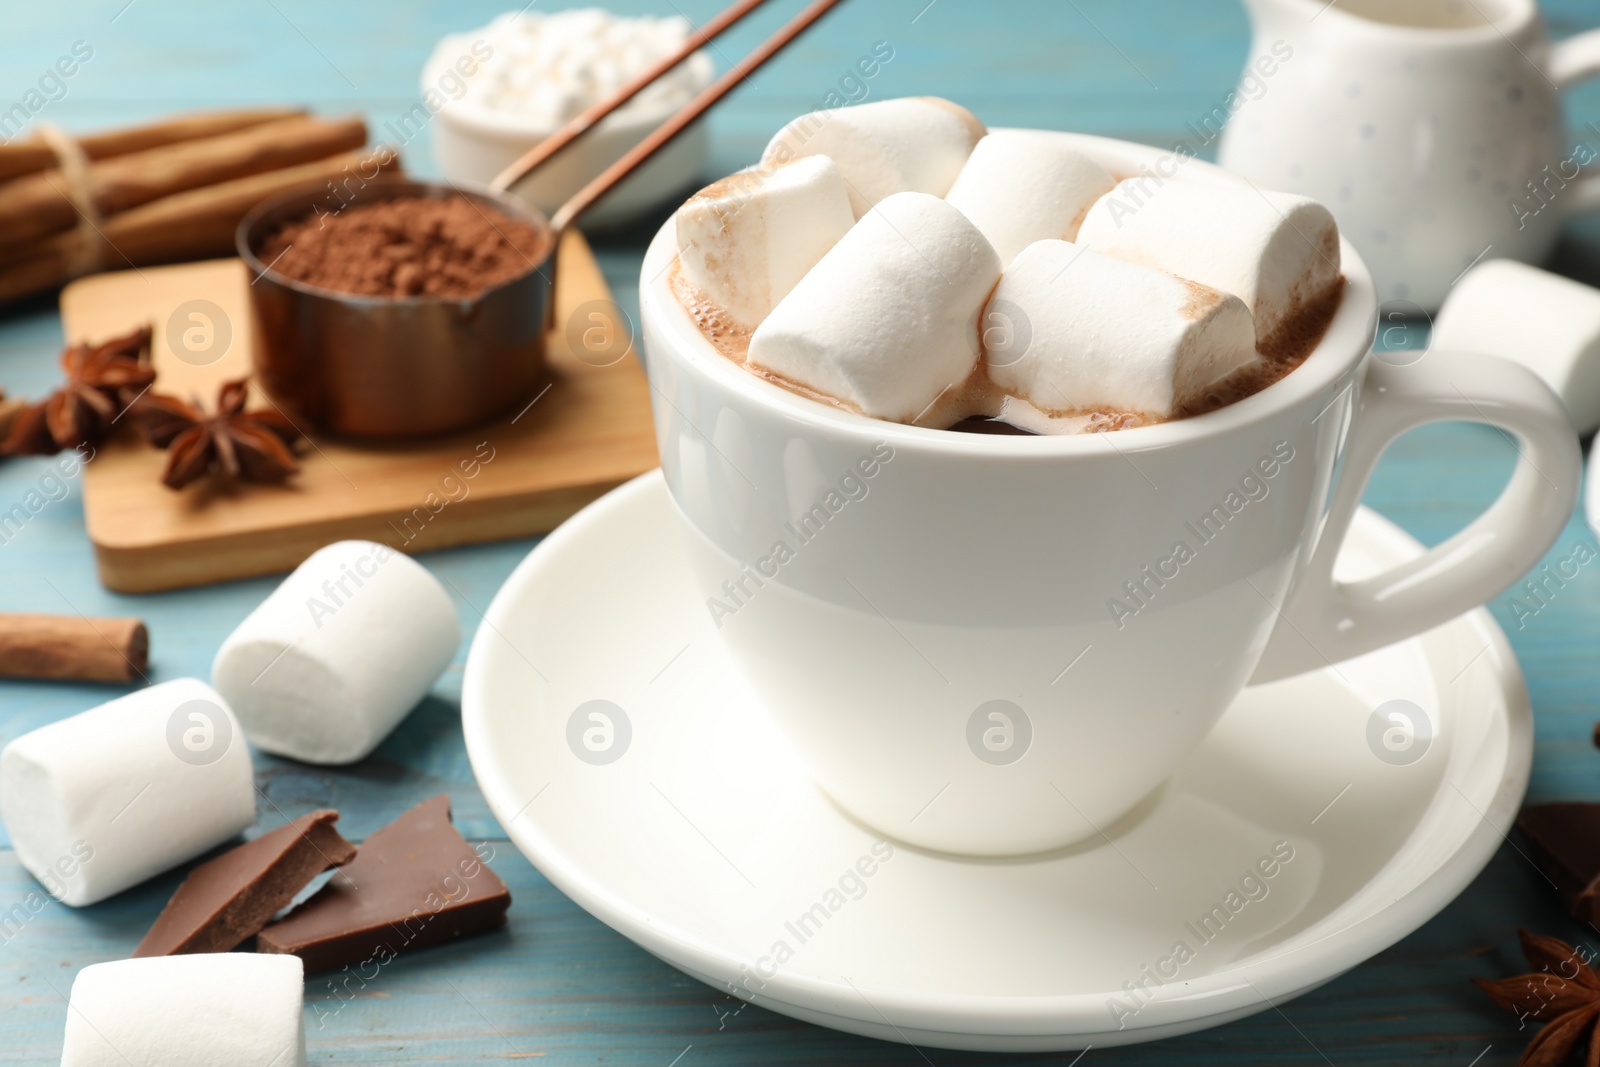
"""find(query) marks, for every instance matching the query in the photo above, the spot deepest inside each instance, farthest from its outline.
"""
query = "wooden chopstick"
(585, 198)
(539, 153)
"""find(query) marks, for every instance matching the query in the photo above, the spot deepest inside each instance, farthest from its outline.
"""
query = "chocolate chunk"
(1565, 845)
(226, 900)
(415, 882)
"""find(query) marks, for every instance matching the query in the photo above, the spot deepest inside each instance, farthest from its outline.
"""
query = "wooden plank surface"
(559, 987)
(586, 431)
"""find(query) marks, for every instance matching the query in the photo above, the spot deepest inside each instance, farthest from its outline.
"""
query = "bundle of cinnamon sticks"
(163, 192)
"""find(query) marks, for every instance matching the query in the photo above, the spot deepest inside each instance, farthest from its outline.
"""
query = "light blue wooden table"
(557, 985)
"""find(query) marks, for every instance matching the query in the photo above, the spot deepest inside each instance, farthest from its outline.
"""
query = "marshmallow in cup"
(746, 241)
(1093, 332)
(914, 144)
(1277, 252)
(909, 279)
(1022, 186)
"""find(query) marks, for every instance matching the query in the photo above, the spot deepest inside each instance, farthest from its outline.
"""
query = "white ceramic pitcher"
(1431, 128)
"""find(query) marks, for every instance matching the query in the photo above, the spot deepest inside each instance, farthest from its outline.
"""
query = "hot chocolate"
(895, 260)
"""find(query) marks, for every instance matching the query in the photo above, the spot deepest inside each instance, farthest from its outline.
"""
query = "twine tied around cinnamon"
(88, 253)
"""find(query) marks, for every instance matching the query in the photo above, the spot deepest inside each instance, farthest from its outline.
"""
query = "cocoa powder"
(447, 247)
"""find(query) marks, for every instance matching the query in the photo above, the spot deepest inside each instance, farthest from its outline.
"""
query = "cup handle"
(1326, 621)
(1572, 61)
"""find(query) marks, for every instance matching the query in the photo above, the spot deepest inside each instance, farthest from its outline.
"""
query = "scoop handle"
(1326, 621)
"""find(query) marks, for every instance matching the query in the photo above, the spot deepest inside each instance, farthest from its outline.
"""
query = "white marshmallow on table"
(888, 320)
(1022, 186)
(102, 800)
(747, 240)
(327, 665)
(1275, 251)
(237, 1008)
(915, 144)
(1086, 332)
(1548, 323)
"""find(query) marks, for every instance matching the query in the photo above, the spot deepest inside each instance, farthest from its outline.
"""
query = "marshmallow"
(888, 320)
(548, 68)
(1022, 186)
(1548, 323)
(745, 241)
(916, 144)
(336, 656)
(198, 1010)
(1082, 332)
(1277, 252)
(102, 800)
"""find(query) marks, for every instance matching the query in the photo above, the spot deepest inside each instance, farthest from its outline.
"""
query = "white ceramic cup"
(994, 645)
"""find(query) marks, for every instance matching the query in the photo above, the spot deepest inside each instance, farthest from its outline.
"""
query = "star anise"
(1563, 992)
(102, 380)
(231, 443)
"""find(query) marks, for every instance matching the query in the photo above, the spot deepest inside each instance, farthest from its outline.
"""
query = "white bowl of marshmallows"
(899, 260)
(497, 91)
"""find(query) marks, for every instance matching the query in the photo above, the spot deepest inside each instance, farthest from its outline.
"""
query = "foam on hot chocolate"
(916, 144)
(1176, 297)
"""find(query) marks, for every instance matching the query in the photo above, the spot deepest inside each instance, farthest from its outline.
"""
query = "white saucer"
(704, 842)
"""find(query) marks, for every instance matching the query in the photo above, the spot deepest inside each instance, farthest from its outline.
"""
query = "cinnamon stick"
(73, 648)
(28, 155)
(40, 204)
(195, 224)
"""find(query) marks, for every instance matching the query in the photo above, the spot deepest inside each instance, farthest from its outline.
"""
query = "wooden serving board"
(589, 432)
